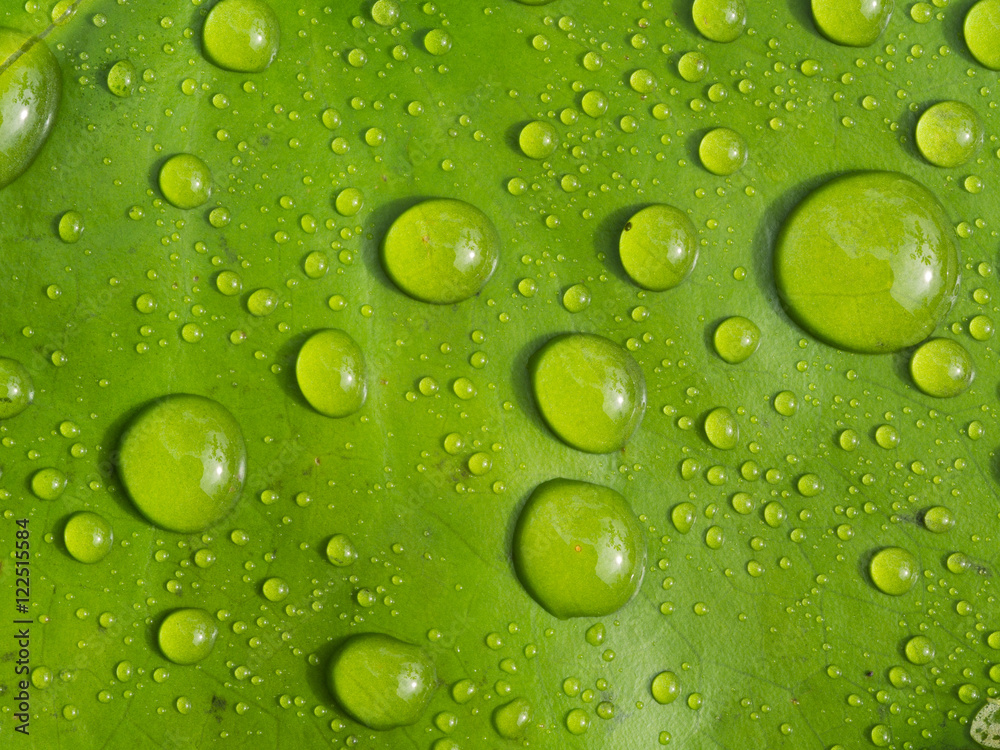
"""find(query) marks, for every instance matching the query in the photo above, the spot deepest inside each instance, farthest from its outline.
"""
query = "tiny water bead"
(578, 549)
(441, 251)
(88, 537)
(187, 636)
(512, 719)
(982, 33)
(30, 90)
(942, 368)
(866, 262)
(736, 339)
(938, 519)
(590, 391)
(658, 247)
(949, 134)
(919, 650)
(380, 681)
(122, 79)
(721, 429)
(17, 390)
(720, 20)
(48, 484)
(722, 151)
(241, 35)
(185, 181)
(340, 551)
(894, 570)
(330, 370)
(71, 227)
(183, 461)
(852, 23)
(538, 140)
(693, 66)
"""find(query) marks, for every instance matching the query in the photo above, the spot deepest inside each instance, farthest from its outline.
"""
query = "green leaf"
(768, 618)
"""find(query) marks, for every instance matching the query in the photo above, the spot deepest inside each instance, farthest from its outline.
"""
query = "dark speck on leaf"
(869, 673)
(628, 225)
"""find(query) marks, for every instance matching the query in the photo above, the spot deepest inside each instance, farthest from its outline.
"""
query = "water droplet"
(579, 549)
(949, 134)
(866, 262)
(187, 636)
(241, 35)
(720, 20)
(262, 302)
(894, 570)
(340, 551)
(658, 247)
(17, 390)
(852, 23)
(511, 719)
(887, 436)
(330, 370)
(380, 681)
(437, 42)
(722, 151)
(942, 368)
(919, 650)
(693, 66)
(589, 390)
(441, 251)
(736, 339)
(643, 81)
(577, 721)
(88, 537)
(183, 461)
(275, 589)
(938, 519)
(48, 484)
(122, 79)
(576, 298)
(538, 140)
(982, 33)
(185, 180)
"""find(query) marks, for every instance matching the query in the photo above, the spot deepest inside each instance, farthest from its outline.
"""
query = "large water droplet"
(330, 370)
(441, 251)
(17, 390)
(579, 549)
(721, 429)
(949, 134)
(589, 390)
(894, 570)
(186, 181)
(866, 262)
(942, 368)
(380, 681)
(538, 140)
(187, 636)
(665, 688)
(982, 32)
(658, 247)
(720, 20)
(852, 23)
(30, 89)
(241, 35)
(183, 461)
(511, 719)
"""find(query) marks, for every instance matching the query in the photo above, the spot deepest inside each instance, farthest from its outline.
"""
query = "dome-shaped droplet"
(578, 549)
(949, 134)
(385, 12)
(241, 35)
(722, 151)
(693, 66)
(183, 461)
(380, 681)
(982, 33)
(17, 390)
(866, 262)
(721, 429)
(512, 719)
(187, 636)
(330, 370)
(88, 537)
(852, 23)
(30, 89)
(589, 390)
(340, 550)
(942, 368)
(938, 519)
(736, 339)
(48, 484)
(538, 140)
(71, 227)
(186, 181)
(919, 650)
(894, 570)
(720, 20)
(665, 688)
(658, 247)
(441, 251)
(122, 79)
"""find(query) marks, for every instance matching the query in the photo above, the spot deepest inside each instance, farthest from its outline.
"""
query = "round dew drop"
(590, 391)
(183, 462)
(919, 650)
(723, 151)
(340, 551)
(30, 90)
(665, 688)
(380, 681)
(241, 35)
(578, 549)
(852, 23)
(17, 390)
(512, 719)
(683, 517)
(538, 140)
(982, 33)
(349, 201)
(71, 226)
(88, 537)
(942, 368)
(658, 247)
(867, 263)
(186, 181)
(437, 42)
(262, 302)
(577, 721)
(894, 570)
(385, 12)
(693, 66)
(122, 79)
(720, 20)
(441, 251)
(48, 484)
(949, 134)
(938, 519)
(187, 636)
(736, 339)
(576, 298)
(721, 429)
(330, 370)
